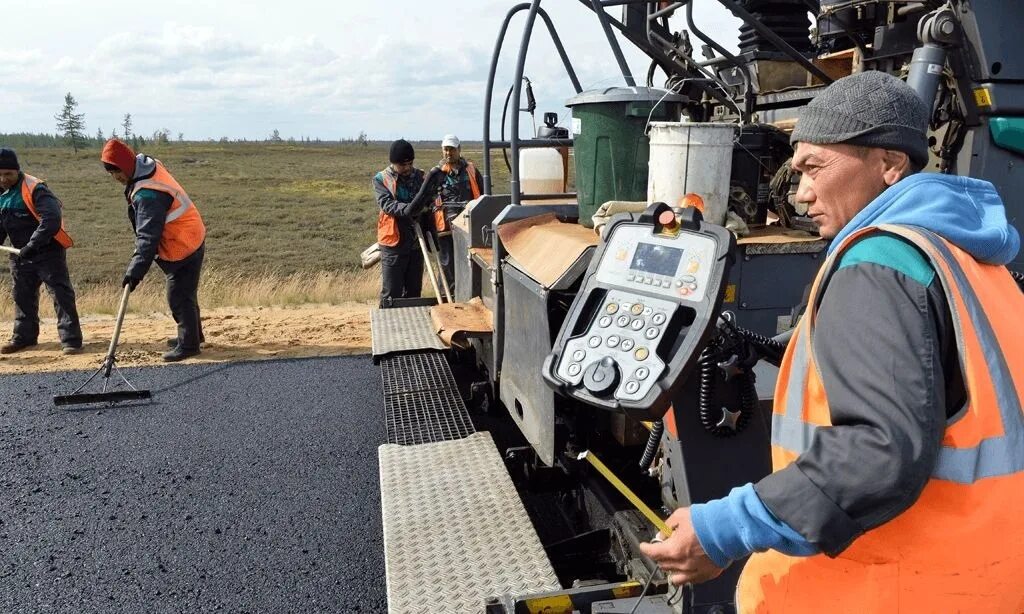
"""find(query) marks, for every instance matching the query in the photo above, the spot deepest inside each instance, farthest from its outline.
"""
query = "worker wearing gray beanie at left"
(32, 217)
(895, 435)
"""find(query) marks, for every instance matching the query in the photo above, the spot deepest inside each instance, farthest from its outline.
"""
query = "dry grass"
(221, 289)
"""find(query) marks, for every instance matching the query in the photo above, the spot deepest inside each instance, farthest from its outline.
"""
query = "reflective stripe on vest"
(440, 221)
(184, 230)
(387, 226)
(959, 546)
(993, 456)
(28, 187)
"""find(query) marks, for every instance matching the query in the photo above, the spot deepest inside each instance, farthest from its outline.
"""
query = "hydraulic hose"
(653, 441)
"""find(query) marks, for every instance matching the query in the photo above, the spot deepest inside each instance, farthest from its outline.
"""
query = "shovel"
(80, 398)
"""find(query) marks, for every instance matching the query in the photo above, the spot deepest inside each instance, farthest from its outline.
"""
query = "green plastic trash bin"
(611, 147)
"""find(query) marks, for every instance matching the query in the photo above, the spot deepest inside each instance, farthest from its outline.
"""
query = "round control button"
(641, 354)
(637, 324)
(648, 311)
(574, 369)
(632, 386)
(579, 355)
(611, 308)
(687, 279)
(642, 373)
(613, 340)
(637, 309)
(594, 341)
(692, 286)
(623, 321)
(679, 283)
(658, 319)
(667, 218)
(626, 345)
(605, 321)
(684, 291)
(651, 333)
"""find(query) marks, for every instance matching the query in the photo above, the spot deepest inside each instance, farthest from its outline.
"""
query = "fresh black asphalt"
(244, 487)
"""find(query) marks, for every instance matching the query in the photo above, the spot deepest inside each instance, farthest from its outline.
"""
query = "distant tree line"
(71, 132)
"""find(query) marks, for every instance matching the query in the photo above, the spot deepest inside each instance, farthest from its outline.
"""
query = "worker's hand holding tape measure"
(680, 554)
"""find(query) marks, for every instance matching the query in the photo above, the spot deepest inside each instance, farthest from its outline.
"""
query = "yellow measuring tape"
(627, 493)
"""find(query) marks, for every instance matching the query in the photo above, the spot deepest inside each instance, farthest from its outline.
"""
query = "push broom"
(104, 396)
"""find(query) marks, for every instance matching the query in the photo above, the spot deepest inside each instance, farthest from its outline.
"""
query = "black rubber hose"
(769, 349)
(706, 395)
(653, 441)
(748, 400)
(427, 193)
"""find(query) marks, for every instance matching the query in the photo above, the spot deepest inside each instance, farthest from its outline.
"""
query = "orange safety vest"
(28, 186)
(960, 546)
(387, 225)
(440, 221)
(184, 230)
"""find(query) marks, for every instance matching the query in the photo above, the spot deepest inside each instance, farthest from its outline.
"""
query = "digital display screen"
(656, 259)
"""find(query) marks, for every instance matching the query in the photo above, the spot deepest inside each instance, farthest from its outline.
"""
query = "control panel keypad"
(628, 329)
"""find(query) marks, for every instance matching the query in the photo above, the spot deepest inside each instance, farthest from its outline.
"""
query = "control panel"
(646, 307)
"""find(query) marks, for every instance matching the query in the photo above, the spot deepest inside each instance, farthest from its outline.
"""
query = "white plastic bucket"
(691, 158)
(541, 171)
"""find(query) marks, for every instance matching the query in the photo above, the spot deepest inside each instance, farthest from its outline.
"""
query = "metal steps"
(455, 530)
(402, 329)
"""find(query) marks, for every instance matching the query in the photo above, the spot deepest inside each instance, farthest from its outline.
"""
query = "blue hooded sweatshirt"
(966, 212)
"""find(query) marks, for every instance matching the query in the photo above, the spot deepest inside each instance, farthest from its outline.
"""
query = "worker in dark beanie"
(897, 434)
(168, 230)
(32, 217)
(401, 190)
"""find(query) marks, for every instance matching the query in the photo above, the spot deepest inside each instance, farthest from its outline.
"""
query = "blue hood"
(966, 212)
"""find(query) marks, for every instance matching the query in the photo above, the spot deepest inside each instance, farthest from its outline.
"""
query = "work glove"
(28, 251)
(130, 281)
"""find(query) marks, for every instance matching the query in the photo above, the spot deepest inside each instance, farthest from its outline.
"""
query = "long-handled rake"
(113, 396)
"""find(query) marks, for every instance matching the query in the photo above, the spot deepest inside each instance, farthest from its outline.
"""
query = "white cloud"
(407, 71)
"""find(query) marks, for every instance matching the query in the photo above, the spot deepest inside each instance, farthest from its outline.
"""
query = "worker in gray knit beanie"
(872, 109)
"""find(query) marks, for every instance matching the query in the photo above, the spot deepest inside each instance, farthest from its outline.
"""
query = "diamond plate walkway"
(455, 530)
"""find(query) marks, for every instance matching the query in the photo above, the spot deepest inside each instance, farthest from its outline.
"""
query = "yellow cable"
(627, 493)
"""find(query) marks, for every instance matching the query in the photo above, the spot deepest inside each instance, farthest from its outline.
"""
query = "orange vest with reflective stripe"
(184, 230)
(960, 546)
(28, 186)
(387, 225)
(440, 221)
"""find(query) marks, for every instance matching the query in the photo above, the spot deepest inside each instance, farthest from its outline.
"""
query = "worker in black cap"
(401, 197)
(31, 216)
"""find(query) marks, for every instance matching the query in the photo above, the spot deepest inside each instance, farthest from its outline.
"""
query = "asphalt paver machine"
(649, 342)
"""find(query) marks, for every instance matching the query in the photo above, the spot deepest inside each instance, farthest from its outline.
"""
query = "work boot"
(173, 342)
(69, 349)
(178, 354)
(14, 346)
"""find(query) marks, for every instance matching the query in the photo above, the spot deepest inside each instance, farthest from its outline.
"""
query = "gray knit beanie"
(871, 108)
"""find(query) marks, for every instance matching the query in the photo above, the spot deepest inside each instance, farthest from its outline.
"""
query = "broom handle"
(108, 362)
(440, 269)
(426, 259)
(13, 250)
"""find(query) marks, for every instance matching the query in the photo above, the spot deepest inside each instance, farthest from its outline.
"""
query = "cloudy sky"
(329, 69)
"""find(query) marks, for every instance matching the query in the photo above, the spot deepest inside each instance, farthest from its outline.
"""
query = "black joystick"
(602, 376)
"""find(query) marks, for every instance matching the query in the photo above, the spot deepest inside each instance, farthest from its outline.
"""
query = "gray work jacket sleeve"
(880, 342)
(150, 213)
(388, 203)
(50, 215)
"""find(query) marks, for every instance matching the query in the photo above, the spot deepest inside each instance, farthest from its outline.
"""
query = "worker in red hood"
(168, 229)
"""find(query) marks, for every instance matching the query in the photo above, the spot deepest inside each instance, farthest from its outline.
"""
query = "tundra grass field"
(285, 222)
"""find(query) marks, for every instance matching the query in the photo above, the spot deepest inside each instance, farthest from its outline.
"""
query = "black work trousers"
(50, 270)
(183, 296)
(401, 275)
